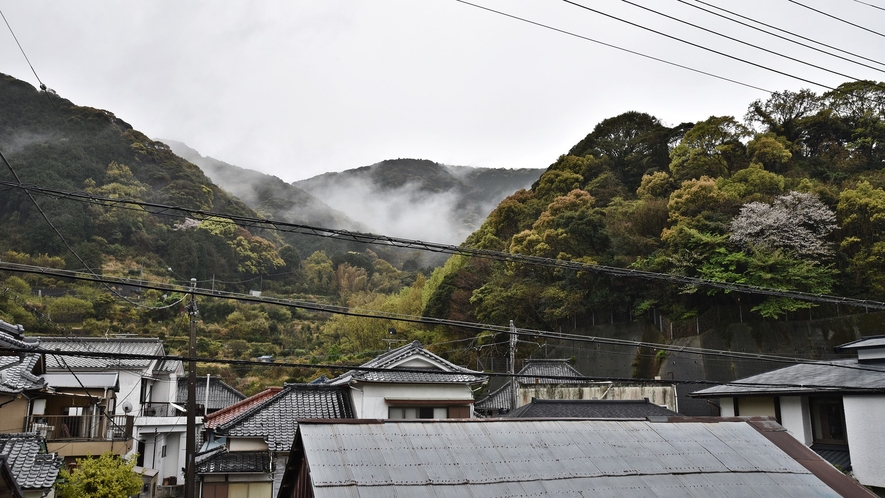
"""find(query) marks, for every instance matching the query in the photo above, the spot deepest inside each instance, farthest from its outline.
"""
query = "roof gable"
(411, 364)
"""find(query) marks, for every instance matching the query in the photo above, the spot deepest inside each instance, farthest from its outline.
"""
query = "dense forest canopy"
(789, 196)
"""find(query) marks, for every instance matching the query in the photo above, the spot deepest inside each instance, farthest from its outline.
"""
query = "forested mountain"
(419, 199)
(789, 196)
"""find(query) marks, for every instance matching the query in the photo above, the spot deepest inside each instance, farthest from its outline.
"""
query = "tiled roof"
(830, 377)
(129, 346)
(276, 418)
(16, 373)
(586, 458)
(231, 412)
(552, 371)
(411, 364)
(11, 336)
(221, 395)
(32, 468)
(590, 408)
(235, 461)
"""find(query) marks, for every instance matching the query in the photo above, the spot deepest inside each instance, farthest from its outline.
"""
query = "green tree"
(711, 148)
(107, 476)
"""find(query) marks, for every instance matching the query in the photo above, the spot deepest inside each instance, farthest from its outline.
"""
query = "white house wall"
(369, 399)
(866, 437)
(726, 407)
(796, 418)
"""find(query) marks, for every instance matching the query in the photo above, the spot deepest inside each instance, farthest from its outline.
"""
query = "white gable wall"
(369, 398)
(866, 437)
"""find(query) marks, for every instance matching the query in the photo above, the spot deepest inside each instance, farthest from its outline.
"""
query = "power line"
(870, 5)
(685, 2)
(836, 18)
(42, 86)
(790, 33)
(697, 45)
(376, 314)
(334, 367)
(794, 59)
(633, 52)
(368, 238)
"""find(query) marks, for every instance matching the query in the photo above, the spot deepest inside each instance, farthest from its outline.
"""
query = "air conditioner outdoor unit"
(43, 429)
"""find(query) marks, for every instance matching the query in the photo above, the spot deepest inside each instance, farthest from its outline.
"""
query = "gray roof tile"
(831, 377)
(16, 373)
(130, 346)
(30, 465)
(276, 418)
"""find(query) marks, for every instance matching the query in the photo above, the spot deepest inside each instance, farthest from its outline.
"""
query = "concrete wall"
(658, 394)
(866, 437)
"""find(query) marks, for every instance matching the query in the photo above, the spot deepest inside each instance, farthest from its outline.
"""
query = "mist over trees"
(789, 196)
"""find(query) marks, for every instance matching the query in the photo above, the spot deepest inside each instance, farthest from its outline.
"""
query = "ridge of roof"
(384, 368)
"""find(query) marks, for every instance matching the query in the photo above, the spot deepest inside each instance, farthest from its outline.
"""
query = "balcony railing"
(98, 427)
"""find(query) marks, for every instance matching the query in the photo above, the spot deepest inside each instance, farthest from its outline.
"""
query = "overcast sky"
(298, 88)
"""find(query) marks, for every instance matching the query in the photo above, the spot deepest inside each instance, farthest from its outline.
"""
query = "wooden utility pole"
(190, 474)
(512, 368)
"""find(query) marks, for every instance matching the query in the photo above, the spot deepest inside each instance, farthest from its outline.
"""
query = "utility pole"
(512, 369)
(190, 451)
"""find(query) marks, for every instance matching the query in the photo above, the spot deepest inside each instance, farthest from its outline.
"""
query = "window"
(828, 420)
(413, 412)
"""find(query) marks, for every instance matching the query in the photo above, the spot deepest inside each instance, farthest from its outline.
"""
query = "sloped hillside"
(790, 197)
(419, 199)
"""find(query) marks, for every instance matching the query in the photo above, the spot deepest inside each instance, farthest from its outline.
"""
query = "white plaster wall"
(796, 418)
(368, 399)
(726, 407)
(246, 444)
(866, 437)
(130, 390)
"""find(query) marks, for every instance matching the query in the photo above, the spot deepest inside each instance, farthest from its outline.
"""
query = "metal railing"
(93, 427)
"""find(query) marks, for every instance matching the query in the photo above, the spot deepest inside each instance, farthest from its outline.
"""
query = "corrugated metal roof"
(546, 458)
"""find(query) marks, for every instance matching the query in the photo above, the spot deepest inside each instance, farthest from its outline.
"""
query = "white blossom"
(795, 222)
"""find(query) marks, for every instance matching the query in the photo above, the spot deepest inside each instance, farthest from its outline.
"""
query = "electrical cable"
(702, 47)
(836, 18)
(633, 52)
(790, 32)
(831, 54)
(332, 367)
(870, 5)
(368, 238)
(530, 333)
(794, 59)
(42, 86)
